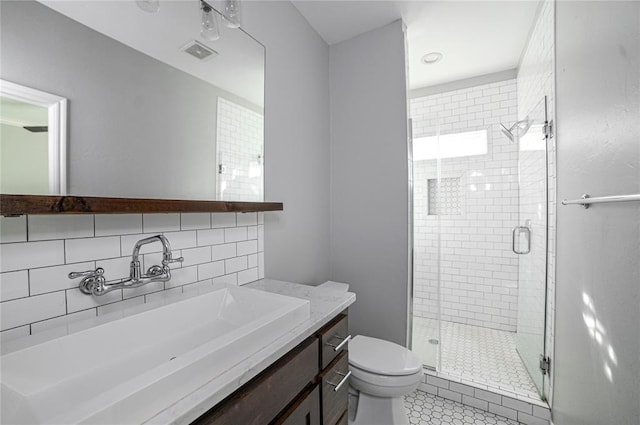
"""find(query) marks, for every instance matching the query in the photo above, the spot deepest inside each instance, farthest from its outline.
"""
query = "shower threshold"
(487, 357)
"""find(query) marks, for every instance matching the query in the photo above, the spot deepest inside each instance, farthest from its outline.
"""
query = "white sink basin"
(127, 370)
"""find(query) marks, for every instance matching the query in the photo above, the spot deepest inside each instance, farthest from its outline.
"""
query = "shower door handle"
(517, 231)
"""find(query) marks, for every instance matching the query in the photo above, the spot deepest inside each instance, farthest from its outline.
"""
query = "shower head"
(518, 129)
(507, 132)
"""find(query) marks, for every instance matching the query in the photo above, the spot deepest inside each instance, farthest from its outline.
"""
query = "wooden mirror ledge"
(13, 205)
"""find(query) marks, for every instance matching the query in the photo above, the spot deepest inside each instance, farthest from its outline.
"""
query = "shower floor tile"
(485, 356)
(427, 409)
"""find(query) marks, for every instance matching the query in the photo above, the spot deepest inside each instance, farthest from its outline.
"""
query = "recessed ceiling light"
(431, 58)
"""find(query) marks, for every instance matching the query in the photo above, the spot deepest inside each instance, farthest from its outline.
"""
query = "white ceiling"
(238, 68)
(475, 37)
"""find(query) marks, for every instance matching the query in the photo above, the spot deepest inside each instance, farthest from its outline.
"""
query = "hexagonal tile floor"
(427, 409)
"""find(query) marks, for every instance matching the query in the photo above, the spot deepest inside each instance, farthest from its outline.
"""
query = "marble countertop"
(326, 301)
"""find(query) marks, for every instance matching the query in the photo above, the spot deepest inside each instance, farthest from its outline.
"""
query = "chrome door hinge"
(221, 168)
(545, 364)
(547, 129)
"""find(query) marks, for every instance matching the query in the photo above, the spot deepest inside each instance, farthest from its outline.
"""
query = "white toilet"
(382, 373)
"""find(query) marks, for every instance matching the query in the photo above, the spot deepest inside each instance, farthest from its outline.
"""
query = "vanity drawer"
(260, 400)
(304, 411)
(335, 389)
(334, 339)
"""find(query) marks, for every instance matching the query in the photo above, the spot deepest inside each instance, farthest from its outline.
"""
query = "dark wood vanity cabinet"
(307, 386)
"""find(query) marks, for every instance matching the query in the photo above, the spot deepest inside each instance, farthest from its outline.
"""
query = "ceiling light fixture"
(431, 58)
(209, 24)
(150, 6)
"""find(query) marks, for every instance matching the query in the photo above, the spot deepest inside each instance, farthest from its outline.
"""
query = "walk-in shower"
(480, 239)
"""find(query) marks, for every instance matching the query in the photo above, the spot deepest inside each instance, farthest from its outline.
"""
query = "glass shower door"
(425, 341)
(530, 241)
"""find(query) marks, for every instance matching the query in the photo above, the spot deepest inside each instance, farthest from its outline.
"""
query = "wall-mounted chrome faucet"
(94, 282)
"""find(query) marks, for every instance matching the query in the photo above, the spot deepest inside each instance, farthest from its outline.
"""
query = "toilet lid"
(382, 357)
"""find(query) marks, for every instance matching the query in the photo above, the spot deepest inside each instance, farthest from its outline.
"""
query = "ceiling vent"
(199, 50)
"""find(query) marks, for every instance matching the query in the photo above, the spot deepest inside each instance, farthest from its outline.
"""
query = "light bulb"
(231, 16)
(209, 30)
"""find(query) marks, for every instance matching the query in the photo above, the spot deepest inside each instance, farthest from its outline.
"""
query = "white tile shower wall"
(535, 80)
(240, 152)
(36, 293)
(478, 270)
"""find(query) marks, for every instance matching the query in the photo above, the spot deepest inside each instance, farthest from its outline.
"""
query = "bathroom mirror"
(156, 107)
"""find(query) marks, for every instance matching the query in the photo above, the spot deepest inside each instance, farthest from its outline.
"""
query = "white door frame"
(57, 129)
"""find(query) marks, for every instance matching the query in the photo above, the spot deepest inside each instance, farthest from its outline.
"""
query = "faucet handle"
(172, 260)
(93, 273)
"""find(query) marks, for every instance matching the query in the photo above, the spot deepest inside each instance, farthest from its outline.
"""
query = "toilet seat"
(384, 380)
(380, 357)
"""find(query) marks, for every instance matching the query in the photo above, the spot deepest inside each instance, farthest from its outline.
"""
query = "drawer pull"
(339, 346)
(341, 383)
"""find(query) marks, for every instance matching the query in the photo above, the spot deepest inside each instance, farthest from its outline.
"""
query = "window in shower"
(453, 145)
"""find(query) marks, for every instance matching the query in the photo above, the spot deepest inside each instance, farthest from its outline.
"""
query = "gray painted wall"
(296, 141)
(369, 179)
(598, 250)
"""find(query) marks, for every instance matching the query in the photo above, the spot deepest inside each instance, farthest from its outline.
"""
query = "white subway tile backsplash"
(224, 251)
(252, 261)
(246, 276)
(182, 276)
(219, 220)
(181, 240)
(118, 224)
(49, 227)
(235, 234)
(14, 285)
(210, 270)
(235, 264)
(194, 256)
(247, 247)
(23, 311)
(13, 229)
(25, 255)
(194, 221)
(56, 278)
(91, 248)
(158, 223)
(38, 296)
(77, 301)
(210, 237)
